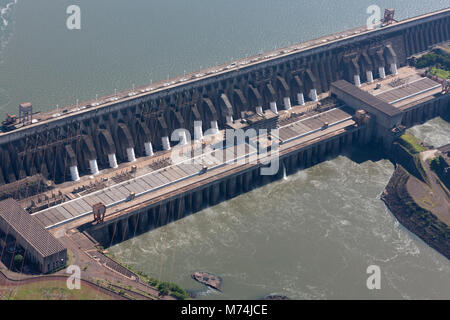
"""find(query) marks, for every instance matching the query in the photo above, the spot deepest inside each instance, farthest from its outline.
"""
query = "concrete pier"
(369, 76)
(214, 127)
(273, 107)
(301, 99)
(112, 160)
(382, 72)
(287, 103)
(313, 95)
(394, 69)
(183, 138)
(148, 149)
(74, 173)
(357, 80)
(130, 155)
(94, 167)
(198, 133)
(166, 143)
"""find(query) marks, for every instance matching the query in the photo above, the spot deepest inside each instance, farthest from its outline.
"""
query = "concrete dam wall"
(162, 210)
(104, 136)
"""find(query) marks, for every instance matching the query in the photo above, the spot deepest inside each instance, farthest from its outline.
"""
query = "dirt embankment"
(416, 219)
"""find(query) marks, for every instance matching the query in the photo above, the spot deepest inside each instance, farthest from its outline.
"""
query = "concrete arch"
(209, 111)
(254, 98)
(196, 114)
(71, 158)
(269, 93)
(310, 80)
(106, 142)
(352, 68)
(239, 102)
(88, 149)
(124, 136)
(379, 54)
(175, 119)
(283, 88)
(162, 125)
(297, 85)
(366, 62)
(391, 56)
(227, 108)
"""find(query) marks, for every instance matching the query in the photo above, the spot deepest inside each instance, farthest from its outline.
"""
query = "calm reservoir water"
(310, 236)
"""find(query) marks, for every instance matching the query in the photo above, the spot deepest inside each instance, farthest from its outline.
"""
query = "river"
(309, 236)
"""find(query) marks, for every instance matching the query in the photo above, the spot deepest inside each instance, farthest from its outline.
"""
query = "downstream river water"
(309, 236)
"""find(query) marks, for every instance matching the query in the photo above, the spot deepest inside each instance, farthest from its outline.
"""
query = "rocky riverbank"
(421, 222)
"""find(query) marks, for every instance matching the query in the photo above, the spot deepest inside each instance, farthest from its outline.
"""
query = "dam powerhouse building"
(39, 245)
(110, 160)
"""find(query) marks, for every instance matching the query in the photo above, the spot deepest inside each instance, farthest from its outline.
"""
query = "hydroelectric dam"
(113, 157)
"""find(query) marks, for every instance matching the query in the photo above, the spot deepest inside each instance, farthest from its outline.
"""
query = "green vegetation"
(411, 143)
(439, 64)
(434, 59)
(440, 73)
(164, 288)
(51, 290)
(435, 163)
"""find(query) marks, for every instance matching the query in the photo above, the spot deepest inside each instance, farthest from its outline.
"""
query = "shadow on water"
(363, 154)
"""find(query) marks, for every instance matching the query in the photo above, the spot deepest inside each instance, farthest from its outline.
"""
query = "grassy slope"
(51, 290)
(441, 73)
(412, 143)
